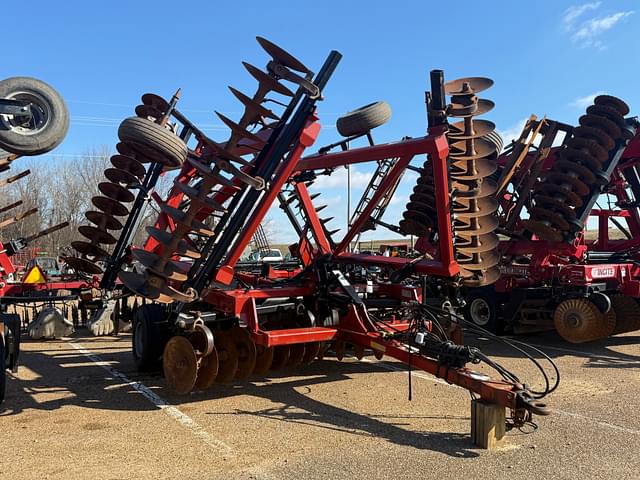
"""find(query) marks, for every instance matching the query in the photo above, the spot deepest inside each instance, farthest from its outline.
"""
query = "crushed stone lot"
(78, 409)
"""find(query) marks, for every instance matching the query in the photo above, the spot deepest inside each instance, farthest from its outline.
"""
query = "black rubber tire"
(3, 371)
(153, 141)
(363, 119)
(484, 299)
(150, 335)
(49, 102)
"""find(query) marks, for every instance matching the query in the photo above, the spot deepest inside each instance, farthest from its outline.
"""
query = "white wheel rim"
(480, 311)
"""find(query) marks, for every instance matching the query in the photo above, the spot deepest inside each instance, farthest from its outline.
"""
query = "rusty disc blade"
(125, 149)
(253, 106)
(155, 101)
(116, 192)
(585, 175)
(154, 288)
(418, 218)
(475, 207)
(340, 348)
(600, 137)
(128, 164)
(221, 152)
(578, 320)
(613, 102)
(180, 365)
(147, 111)
(296, 354)
(588, 146)
(483, 107)
(609, 113)
(196, 227)
(543, 231)
(171, 270)
(358, 351)
(378, 354)
(480, 243)
(227, 356)
(472, 170)
(479, 189)
(480, 279)
(103, 220)
(476, 226)
(118, 175)
(555, 219)
(281, 56)
(561, 193)
(462, 86)
(311, 351)
(164, 238)
(479, 128)
(280, 357)
(565, 179)
(324, 346)
(83, 265)
(210, 173)
(551, 203)
(109, 206)
(479, 148)
(412, 227)
(266, 81)
(86, 248)
(477, 260)
(421, 207)
(246, 351)
(264, 358)
(583, 158)
(239, 130)
(97, 235)
(601, 123)
(194, 194)
(208, 371)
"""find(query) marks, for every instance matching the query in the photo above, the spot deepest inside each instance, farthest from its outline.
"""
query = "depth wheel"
(153, 141)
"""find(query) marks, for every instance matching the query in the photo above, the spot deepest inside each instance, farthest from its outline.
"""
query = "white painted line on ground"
(599, 422)
(159, 402)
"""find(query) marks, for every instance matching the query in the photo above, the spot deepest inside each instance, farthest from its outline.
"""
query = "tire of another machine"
(482, 309)
(50, 116)
(153, 141)
(3, 371)
(150, 334)
(363, 119)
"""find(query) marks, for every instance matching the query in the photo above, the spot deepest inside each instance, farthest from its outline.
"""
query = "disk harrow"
(224, 324)
(578, 170)
(554, 278)
(472, 153)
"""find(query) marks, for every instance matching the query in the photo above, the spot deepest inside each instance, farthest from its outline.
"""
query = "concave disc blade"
(208, 371)
(474, 85)
(246, 351)
(227, 356)
(180, 365)
(264, 358)
(281, 56)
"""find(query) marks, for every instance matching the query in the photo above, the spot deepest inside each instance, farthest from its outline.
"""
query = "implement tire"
(153, 141)
(49, 122)
(364, 119)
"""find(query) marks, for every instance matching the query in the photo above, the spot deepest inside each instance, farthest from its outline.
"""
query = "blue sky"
(546, 58)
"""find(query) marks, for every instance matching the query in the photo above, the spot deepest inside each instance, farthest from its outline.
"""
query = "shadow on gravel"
(599, 354)
(72, 379)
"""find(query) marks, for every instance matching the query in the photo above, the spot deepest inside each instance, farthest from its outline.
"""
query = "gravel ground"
(78, 409)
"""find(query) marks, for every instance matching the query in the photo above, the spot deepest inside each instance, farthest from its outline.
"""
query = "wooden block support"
(487, 424)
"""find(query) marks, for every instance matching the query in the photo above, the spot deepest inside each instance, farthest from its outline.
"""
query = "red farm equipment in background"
(554, 275)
